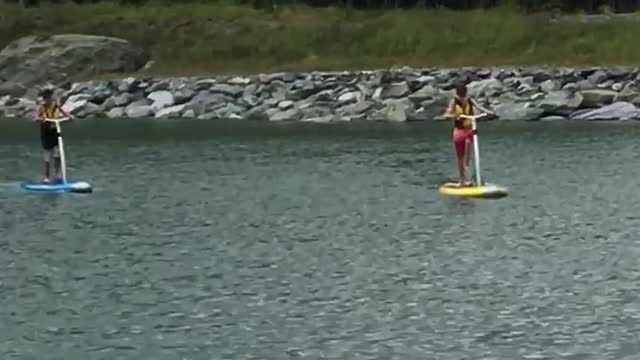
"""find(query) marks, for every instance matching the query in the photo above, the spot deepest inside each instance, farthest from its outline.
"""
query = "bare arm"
(38, 114)
(450, 109)
(64, 113)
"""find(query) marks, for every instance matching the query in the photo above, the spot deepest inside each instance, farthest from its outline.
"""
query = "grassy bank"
(199, 38)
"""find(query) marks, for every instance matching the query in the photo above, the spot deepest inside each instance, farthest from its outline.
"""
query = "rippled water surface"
(205, 241)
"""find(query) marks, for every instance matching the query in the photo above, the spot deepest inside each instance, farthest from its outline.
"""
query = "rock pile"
(396, 95)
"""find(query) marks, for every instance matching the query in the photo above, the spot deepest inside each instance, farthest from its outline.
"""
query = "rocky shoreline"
(396, 95)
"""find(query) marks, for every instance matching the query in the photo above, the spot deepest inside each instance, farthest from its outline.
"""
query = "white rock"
(161, 99)
(285, 104)
(349, 97)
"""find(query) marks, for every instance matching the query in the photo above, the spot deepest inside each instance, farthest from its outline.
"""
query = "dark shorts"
(48, 138)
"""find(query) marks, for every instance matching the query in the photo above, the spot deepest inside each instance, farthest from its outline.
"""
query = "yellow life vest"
(51, 112)
(463, 109)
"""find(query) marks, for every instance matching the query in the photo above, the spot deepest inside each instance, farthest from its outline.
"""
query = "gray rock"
(279, 95)
(597, 98)
(585, 85)
(229, 111)
(518, 111)
(617, 86)
(431, 109)
(229, 90)
(355, 109)
(615, 111)
(550, 86)
(249, 100)
(399, 94)
(116, 112)
(204, 84)
(139, 108)
(285, 105)
(485, 88)
(349, 97)
(183, 95)
(396, 90)
(204, 102)
(189, 114)
(425, 93)
(554, 118)
(394, 110)
(75, 104)
(208, 116)
(171, 112)
(321, 119)
(560, 103)
(258, 113)
(238, 80)
(287, 115)
(88, 109)
(324, 95)
(571, 88)
(628, 95)
(302, 89)
(123, 99)
(605, 85)
(598, 77)
(162, 85)
(129, 84)
(272, 102)
(314, 112)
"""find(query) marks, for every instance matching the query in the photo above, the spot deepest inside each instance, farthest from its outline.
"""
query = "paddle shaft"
(476, 152)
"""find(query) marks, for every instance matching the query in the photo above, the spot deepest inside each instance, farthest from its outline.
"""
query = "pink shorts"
(462, 137)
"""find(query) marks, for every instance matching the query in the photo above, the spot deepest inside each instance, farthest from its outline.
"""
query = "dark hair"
(46, 93)
(461, 89)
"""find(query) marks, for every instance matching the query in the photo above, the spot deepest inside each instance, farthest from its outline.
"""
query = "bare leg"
(467, 155)
(462, 172)
(47, 165)
(57, 164)
(46, 171)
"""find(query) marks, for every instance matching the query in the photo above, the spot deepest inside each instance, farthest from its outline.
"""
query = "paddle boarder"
(462, 104)
(49, 109)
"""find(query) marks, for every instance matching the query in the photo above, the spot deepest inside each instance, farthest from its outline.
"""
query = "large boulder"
(394, 110)
(615, 111)
(33, 60)
(597, 97)
(485, 88)
(561, 103)
(518, 111)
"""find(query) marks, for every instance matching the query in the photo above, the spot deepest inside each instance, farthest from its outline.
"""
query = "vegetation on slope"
(186, 39)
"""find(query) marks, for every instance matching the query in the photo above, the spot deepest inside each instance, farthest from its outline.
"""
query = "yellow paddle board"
(486, 191)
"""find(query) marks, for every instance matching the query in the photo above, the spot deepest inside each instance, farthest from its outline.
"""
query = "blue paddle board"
(58, 187)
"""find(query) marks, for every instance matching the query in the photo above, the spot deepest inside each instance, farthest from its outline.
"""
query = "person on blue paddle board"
(462, 104)
(50, 109)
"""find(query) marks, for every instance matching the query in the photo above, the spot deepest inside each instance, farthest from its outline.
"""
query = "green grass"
(204, 38)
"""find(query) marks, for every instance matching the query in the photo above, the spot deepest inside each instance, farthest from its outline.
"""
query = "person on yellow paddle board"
(49, 109)
(461, 104)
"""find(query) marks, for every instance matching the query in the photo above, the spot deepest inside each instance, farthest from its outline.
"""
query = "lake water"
(207, 240)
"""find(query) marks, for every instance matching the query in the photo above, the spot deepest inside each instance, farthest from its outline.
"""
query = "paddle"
(476, 146)
(63, 164)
